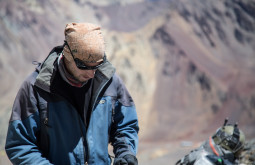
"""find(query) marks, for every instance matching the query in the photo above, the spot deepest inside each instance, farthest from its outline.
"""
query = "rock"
(248, 154)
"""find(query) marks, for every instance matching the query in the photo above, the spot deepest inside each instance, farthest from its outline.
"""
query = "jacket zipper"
(83, 140)
(91, 114)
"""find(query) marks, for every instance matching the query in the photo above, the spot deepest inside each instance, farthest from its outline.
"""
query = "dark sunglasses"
(80, 64)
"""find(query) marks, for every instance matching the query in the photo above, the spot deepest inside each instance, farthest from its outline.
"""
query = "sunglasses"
(80, 64)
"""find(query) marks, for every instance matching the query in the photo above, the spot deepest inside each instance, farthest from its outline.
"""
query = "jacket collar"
(49, 66)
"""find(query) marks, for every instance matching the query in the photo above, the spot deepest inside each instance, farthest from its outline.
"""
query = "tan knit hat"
(85, 41)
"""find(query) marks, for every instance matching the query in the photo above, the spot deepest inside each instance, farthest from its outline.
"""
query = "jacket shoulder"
(25, 102)
(118, 90)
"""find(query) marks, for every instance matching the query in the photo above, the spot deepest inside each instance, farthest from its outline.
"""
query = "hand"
(126, 160)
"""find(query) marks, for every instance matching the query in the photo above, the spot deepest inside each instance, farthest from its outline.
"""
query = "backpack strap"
(42, 134)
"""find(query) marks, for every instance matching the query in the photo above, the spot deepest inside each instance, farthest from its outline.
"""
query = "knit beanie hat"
(85, 41)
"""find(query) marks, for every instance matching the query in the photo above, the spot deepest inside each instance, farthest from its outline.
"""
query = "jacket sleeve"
(24, 123)
(124, 132)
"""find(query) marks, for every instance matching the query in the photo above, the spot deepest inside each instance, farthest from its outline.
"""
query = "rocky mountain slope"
(208, 55)
(188, 64)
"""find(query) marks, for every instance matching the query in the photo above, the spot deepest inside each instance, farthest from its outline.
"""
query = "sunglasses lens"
(78, 62)
(82, 66)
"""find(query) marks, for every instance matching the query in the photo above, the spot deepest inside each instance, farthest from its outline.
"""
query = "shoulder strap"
(42, 135)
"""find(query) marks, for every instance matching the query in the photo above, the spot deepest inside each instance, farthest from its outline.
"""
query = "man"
(72, 106)
(223, 148)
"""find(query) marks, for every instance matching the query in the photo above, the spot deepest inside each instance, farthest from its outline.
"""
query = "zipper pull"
(46, 121)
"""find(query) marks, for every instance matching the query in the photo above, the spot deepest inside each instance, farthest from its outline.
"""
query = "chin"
(83, 80)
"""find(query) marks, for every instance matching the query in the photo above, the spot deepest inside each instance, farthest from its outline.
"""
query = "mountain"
(206, 68)
(187, 64)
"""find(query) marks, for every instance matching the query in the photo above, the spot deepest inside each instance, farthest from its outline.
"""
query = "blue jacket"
(45, 128)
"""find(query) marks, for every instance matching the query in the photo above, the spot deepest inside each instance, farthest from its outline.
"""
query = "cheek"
(75, 72)
(72, 69)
